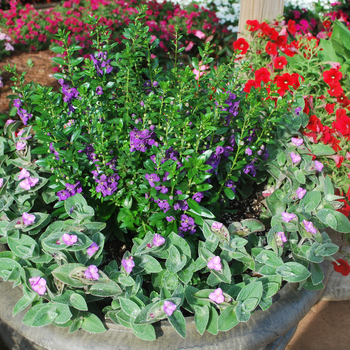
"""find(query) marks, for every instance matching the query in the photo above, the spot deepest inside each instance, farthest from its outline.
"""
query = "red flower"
(242, 45)
(335, 89)
(348, 194)
(253, 26)
(272, 34)
(281, 40)
(284, 81)
(291, 27)
(338, 160)
(331, 76)
(248, 85)
(271, 48)
(264, 27)
(343, 268)
(341, 112)
(343, 100)
(330, 108)
(327, 24)
(280, 62)
(262, 74)
(345, 209)
(315, 124)
(342, 124)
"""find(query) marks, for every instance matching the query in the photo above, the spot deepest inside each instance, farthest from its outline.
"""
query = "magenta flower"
(288, 216)
(215, 263)
(69, 239)
(20, 146)
(28, 183)
(170, 218)
(128, 264)
(158, 240)
(309, 227)
(92, 249)
(248, 151)
(99, 90)
(297, 142)
(217, 296)
(38, 284)
(301, 192)
(295, 157)
(92, 273)
(282, 237)
(23, 174)
(216, 226)
(1, 182)
(28, 219)
(169, 307)
(318, 165)
(199, 34)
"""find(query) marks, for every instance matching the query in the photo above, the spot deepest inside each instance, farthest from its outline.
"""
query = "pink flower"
(158, 240)
(297, 142)
(288, 216)
(128, 264)
(169, 307)
(153, 37)
(199, 34)
(295, 157)
(38, 284)
(20, 146)
(153, 56)
(268, 192)
(28, 183)
(23, 174)
(217, 296)
(92, 249)
(215, 263)
(301, 192)
(9, 47)
(1, 182)
(282, 237)
(216, 226)
(309, 227)
(189, 46)
(69, 239)
(92, 273)
(318, 165)
(28, 219)
(322, 35)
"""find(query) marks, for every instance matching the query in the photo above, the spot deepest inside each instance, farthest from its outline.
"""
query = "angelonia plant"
(149, 159)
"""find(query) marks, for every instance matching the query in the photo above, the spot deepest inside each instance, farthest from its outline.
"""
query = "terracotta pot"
(338, 287)
(271, 329)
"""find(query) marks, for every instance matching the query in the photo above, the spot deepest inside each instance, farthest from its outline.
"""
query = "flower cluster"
(69, 191)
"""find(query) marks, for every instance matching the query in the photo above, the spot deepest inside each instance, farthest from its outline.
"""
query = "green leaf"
(107, 289)
(147, 262)
(317, 274)
(78, 302)
(320, 149)
(59, 60)
(227, 319)
(129, 307)
(23, 303)
(343, 223)
(201, 317)
(176, 261)
(177, 320)
(91, 323)
(62, 274)
(293, 272)
(212, 326)
(50, 243)
(40, 315)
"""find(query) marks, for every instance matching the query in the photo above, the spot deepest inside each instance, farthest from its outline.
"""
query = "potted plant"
(117, 195)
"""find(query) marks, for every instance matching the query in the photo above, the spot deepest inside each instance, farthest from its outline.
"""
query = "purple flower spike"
(295, 157)
(69, 239)
(318, 165)
(38, 284)
(301, 192)
(309, 227)
(217, 296)
(20, 146)
(92, 249)
(23, 174)
(99, 90)
(215, 263)
(28, 219)
(92, 273)
(217, 226)
(297, 142)
(169, 307)
(288, 216)
(158, 240)
(128, 264)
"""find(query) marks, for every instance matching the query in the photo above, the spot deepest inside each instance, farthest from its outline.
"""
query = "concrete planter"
(266, 330)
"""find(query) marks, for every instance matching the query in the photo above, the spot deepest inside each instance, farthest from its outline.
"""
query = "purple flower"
(170, 218)
(142, 104)
(301, 192)
(169, 307)
(28, 219)
(215, 263)
(38, 284)
(297, 142)
(28, 183)
(231, 184)
(99, 90)
(92, 249)
(281, 238)
(69, 239)
(309, 227)
(197, 197)
(216, 226)
(297, 110)
(128, 264)
(2, 182)
(250, 168)
(17, 102)
(158, 240)
(20, 146)
(217, 296)
(248, 151)
(63, 195)
(9, 121)
(92, 273)
(288, 216)
(295, 157)
(318, 165)
(152, 178)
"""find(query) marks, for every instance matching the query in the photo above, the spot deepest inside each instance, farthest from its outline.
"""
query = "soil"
(40, 73)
